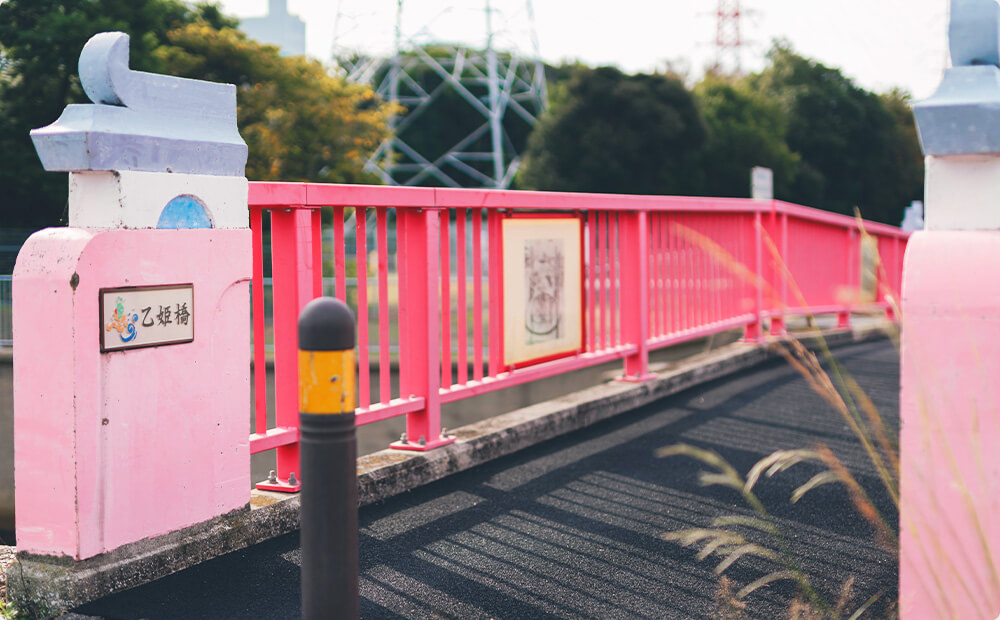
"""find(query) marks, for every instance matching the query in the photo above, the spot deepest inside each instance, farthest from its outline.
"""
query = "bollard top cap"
(326, 324)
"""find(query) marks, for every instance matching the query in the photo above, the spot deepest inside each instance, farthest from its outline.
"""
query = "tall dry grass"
(722, 541)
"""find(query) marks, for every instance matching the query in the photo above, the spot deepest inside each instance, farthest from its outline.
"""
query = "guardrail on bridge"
(654, 271)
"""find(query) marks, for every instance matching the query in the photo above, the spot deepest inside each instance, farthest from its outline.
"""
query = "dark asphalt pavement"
(572, 528)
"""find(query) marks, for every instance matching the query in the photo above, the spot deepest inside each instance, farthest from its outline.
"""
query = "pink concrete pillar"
(111, 448)
(132, 326)
(950, 357)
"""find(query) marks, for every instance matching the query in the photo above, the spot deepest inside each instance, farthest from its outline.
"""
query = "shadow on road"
(571, 528)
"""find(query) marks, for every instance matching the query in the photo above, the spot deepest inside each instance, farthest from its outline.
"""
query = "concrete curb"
(45, 585)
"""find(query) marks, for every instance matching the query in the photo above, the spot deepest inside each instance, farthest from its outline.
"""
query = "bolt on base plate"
(421, 446)
(291, 485)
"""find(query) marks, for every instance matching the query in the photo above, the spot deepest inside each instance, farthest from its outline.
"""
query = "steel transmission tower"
(468, 107)
(728, 36)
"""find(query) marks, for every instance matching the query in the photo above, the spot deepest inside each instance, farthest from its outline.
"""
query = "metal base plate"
(639, 379)
(280, 486)
(414, 446)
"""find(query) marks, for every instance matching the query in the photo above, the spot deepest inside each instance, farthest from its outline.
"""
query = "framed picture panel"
(542, 288)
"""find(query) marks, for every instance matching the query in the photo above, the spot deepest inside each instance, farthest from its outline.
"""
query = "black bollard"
(328, 452)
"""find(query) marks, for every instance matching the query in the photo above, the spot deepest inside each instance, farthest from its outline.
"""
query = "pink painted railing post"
(420, 325)
(892, 273)
(635, 293)
(293, 285)
(753, 331)
(850, 279)
(780, 275)
(495, 299)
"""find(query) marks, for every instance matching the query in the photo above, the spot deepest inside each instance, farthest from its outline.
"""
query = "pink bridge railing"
(656, 270)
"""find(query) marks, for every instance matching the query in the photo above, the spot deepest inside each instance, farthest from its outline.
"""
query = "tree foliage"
(831, 144)
(299, 122)
(618, 133)
(905, 158)
(854, 153)
(745, 129)
(40, 41)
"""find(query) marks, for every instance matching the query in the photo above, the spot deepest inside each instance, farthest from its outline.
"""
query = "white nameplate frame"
(146, 316)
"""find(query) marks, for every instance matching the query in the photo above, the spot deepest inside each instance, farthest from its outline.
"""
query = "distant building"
(278, 28)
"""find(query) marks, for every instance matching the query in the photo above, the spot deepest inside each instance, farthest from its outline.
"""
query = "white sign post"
(761, 183)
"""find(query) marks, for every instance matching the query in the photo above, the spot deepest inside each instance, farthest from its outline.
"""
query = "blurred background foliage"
(831, 144)
(301, 123)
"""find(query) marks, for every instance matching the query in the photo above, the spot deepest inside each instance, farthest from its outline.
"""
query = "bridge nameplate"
(146, 316)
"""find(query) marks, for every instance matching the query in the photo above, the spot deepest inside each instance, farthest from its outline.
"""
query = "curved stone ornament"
(142, 121)
(101, 56)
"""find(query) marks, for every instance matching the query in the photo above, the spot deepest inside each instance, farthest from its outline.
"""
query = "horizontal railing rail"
(653, 271)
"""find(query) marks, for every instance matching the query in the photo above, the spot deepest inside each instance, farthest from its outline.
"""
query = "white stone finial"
(107, 79)
(142, 121)
(963, 116)
(101, 57)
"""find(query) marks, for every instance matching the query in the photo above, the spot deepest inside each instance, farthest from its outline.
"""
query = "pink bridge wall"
(113, 448)
(950, 407)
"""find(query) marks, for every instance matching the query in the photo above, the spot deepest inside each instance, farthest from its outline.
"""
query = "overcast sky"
(879, 43)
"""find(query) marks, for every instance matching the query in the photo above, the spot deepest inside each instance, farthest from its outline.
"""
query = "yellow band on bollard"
(326, 381)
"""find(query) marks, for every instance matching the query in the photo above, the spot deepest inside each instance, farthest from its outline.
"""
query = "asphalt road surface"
(572, 527)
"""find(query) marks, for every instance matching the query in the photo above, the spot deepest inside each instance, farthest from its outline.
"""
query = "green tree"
(905, 156)
(299, 122)
(846, 137)
(746, 129)
(40, 41)
(617, 133)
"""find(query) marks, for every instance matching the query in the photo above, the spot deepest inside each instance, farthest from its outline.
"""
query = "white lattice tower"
(499, 78)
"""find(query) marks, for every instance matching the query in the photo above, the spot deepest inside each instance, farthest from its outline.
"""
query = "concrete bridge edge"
(46, 587)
